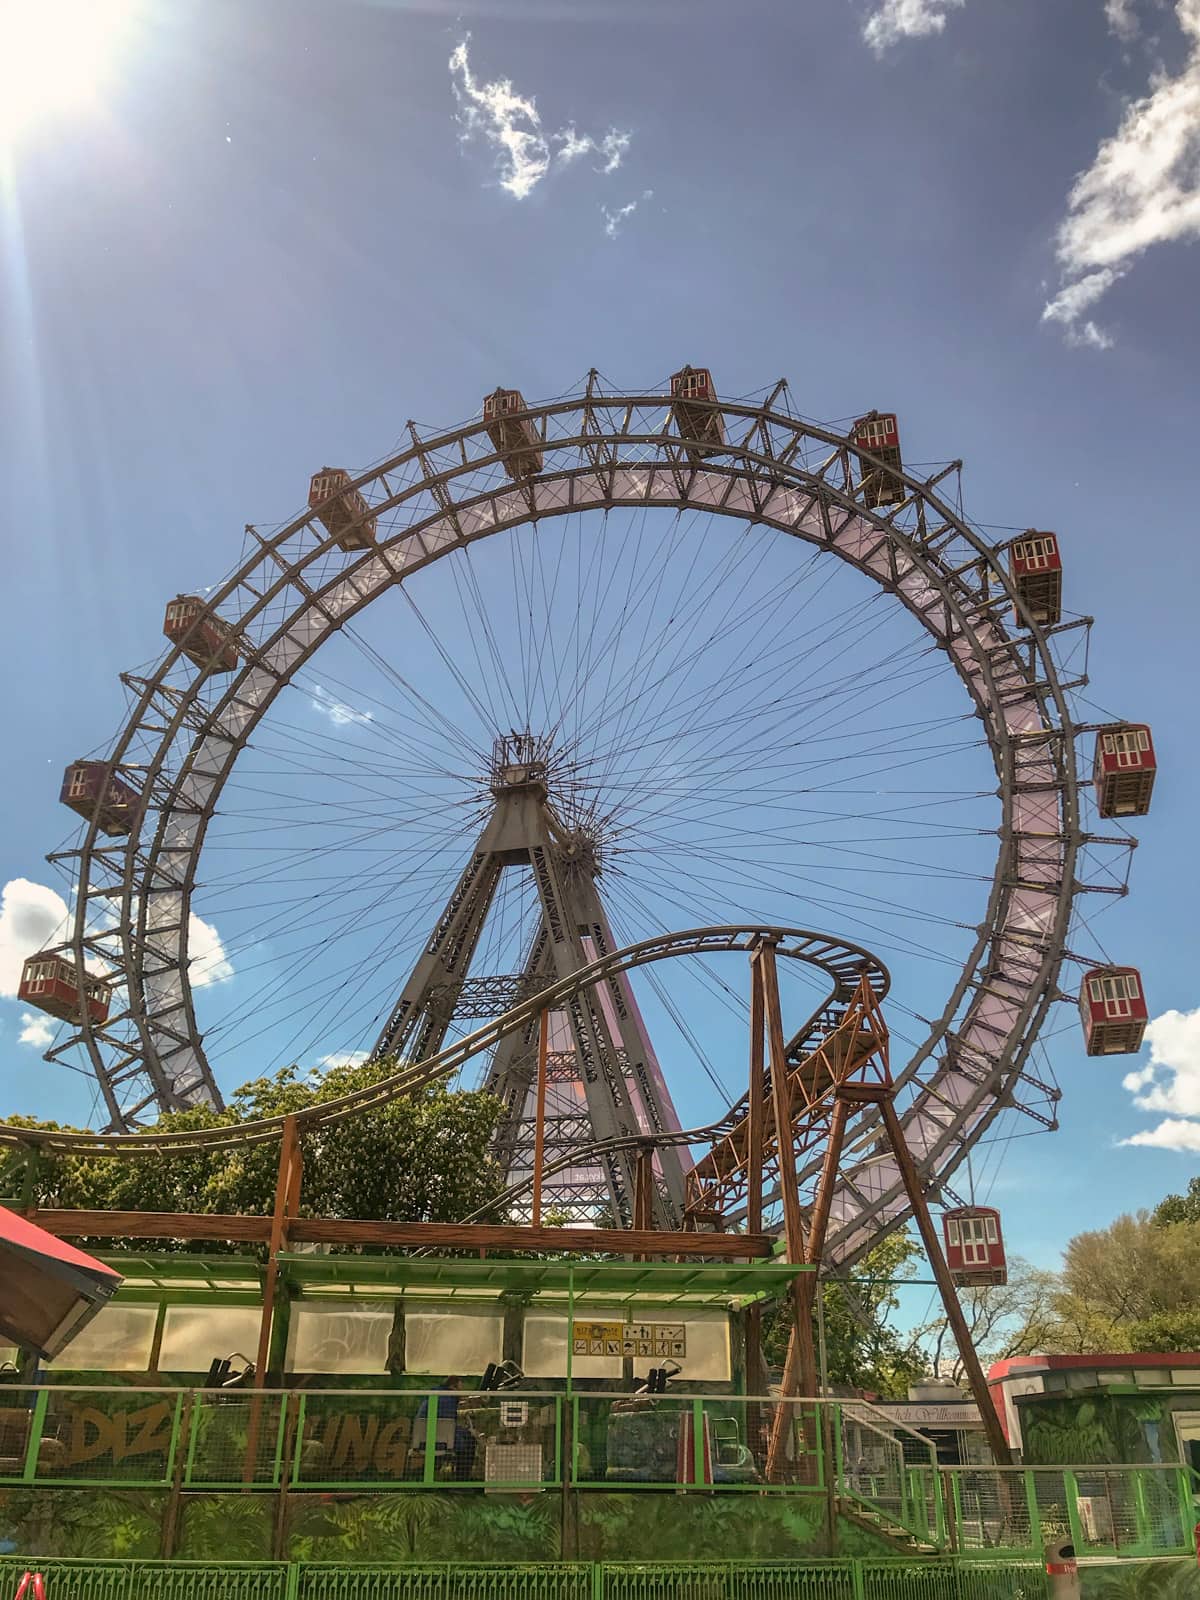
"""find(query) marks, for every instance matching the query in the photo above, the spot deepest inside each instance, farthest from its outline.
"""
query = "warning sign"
(640, 1340)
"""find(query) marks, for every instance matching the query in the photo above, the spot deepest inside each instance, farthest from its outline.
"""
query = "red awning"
(48, 1289)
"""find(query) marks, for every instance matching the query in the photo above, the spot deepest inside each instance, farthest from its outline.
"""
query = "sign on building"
(641, 1340)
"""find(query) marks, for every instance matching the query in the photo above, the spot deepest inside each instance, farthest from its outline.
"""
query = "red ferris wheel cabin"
(513, 435)
(974, 1246)
(1124, 770)
(878, 433)
(51, 983)
(1112, 1008)
(93, 790)
(1035, 567)
(694, 397)
(341, 510)
(204, 638)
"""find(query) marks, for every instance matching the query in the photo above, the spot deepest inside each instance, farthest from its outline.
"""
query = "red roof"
(1099, 1360)
(19, 1234)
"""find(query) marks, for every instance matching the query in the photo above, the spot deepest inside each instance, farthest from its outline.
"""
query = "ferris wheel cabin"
(974, 1246)
(204, 638)
(341, 510)
(1112, 1007)
(94, 791)
(1124, 770)
(513, 435)
(51, 983)
(1035, 567)
(879, 435)
(694, 397)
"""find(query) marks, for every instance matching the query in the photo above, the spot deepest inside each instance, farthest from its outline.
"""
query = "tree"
(863, 1350)
(1010, 1319)
(1137, 1274)
(1179, 1207)
(421, 1158)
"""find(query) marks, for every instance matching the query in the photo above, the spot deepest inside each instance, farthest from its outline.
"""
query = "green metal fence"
(732, 1580)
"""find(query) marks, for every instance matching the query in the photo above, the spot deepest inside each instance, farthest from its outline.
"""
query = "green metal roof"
(657, 1282)
(211, 1274)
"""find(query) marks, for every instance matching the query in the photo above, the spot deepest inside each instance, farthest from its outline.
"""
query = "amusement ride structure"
(590, 1128)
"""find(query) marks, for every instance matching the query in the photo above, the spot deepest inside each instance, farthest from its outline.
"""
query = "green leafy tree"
(1179, 1207)
(421, 1158)
(862, 1348)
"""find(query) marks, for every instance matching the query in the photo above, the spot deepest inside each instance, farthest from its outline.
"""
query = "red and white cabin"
(1124, 770)
(514, 436)
(94, 791)
(204, 638)
(341, 510)
(1112, 1008)
(879, 434)
(1035, 567)
(51, 983)
(694, 396)
(974, 1246)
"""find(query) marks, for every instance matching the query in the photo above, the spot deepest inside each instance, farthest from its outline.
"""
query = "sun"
(56, 56)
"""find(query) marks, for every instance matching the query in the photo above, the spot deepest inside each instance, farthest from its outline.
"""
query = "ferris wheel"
(712, 660)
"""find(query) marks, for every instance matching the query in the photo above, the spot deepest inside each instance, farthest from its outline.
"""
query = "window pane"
(451, 1342)
(344, 1338)
(195, 1336)
(117, 1339)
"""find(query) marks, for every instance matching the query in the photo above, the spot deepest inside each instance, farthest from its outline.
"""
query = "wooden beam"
(411, 1235)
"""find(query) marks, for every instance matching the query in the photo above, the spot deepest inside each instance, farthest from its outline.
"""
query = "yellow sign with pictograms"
(640, 1340)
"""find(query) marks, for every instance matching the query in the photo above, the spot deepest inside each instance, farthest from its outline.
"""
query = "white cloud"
(35, 1030)
(511, 124)
(613, 220)
(345, 1058)
(338, 712)
(1142, 189)
(1170, 1082)
(906, 19)
(32, 916)
(207, 961)
(1119, 14)
(1172, 1134)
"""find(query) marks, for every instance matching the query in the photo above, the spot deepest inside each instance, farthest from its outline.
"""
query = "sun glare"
(56, 56)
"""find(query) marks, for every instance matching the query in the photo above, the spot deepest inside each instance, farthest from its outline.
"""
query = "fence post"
(1071, 1494)
(856, 1578)
(36, 1423)
(292, 1588)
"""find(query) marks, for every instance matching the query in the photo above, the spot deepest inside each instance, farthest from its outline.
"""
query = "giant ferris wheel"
(561, 679)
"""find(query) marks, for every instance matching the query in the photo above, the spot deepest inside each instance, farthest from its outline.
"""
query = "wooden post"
(756, 1376)
(539, 1135)
(945, 1283)
(287, 1199)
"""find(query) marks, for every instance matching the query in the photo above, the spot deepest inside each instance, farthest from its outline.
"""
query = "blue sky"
(272, 232)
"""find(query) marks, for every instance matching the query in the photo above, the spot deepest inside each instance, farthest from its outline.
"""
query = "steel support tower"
(603, 1080)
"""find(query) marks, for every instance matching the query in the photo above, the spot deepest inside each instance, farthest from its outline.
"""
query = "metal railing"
(682, 1441)
(889, 1470)
(846, 1579)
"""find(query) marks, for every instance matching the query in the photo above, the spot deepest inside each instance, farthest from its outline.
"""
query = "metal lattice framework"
(601, 450)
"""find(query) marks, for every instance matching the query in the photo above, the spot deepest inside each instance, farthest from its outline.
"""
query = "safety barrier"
(846, 1579)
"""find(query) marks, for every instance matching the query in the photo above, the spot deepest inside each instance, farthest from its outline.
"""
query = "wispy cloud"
(1142, 189)
(344, 1058)
(1170, 1081)
(36, 1031)
(1121, 18)
(338, 712)
(906, 19)
(510, 122)
(614, 220)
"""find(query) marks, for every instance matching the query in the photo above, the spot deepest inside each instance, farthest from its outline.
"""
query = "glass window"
(952, 1233)
(1096, 990)
(448, 1341)
(346, 1338)
(992, 1236)
(544, 1350)
(195, 1336)
(117, 1339)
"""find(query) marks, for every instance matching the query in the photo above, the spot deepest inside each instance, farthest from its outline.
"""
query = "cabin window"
(992, 1236)
(193, 1337)
(452, 1341)
(952, 1234)
(79, 783)
(350, 1337)
(1127, 745)
(118, 1339)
